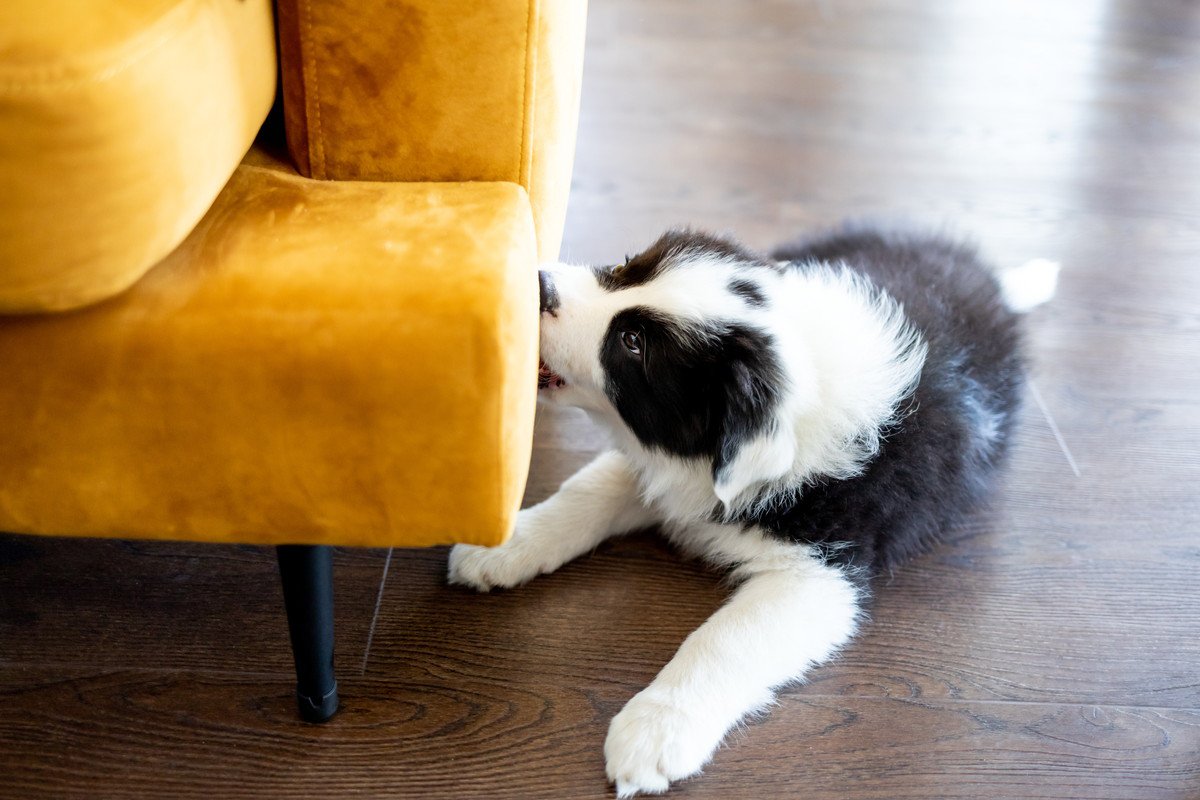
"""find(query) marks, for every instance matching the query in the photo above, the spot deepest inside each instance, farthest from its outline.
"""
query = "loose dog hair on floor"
(805, 420)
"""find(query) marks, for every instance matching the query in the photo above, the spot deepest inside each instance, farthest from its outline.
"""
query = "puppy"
(804, 421)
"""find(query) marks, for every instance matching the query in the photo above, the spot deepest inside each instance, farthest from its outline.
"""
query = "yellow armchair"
(200, 339)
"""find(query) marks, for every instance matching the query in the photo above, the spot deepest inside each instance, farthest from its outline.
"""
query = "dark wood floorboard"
(115, 604)
(156, 734)
(1051, 647)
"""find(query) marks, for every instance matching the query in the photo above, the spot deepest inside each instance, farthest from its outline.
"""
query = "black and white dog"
(805, 421)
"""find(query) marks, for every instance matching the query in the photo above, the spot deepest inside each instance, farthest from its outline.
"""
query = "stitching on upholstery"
(316, 144)
(58, 76)
(529, 101)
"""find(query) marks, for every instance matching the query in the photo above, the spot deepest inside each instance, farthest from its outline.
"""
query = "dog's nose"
(549, 295)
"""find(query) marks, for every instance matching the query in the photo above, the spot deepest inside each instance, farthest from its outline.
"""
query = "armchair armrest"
(318, 363)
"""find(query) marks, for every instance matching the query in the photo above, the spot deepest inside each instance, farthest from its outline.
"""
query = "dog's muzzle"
(549, 295)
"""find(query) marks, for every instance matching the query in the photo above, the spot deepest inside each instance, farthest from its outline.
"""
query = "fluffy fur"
(804, 421)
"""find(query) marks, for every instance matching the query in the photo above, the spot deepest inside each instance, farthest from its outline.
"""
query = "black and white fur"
(804, 421)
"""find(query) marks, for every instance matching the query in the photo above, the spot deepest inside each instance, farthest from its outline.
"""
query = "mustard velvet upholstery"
(319, 362)
(119, 124)
(286, 359)
(437, 90)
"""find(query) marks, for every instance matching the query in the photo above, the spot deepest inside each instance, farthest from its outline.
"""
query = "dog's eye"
(632, 341)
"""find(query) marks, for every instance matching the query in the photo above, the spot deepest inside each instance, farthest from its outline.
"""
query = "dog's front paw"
(486, 568)
(653, 742)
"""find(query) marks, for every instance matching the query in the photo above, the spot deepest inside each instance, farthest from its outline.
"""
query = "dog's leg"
(790, 612)
(599, 501)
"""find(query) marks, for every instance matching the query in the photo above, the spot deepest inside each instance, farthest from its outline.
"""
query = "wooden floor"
(1051, 649)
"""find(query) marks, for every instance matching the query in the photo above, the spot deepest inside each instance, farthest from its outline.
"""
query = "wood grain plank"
(164, 605)
(147, 734)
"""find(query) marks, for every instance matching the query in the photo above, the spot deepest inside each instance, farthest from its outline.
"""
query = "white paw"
(653, 742)
(485, 568)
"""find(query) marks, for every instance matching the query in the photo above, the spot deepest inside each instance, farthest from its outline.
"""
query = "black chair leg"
(307, 574)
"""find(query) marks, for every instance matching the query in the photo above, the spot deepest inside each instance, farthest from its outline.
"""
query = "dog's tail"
(1028, 286)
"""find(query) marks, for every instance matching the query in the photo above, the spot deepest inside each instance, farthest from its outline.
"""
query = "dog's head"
(677, 346)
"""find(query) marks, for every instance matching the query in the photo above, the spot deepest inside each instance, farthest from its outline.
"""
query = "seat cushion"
(429, 90)
(119, 123)
(343, 363)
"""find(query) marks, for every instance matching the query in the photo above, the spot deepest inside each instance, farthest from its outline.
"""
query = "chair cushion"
(342, 363)
(430, 90)
(119, 123)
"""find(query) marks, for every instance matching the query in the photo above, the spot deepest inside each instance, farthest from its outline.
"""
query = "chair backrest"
(119, 124)
(430, 90)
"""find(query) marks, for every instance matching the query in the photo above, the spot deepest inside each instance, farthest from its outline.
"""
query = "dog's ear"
(756, 445)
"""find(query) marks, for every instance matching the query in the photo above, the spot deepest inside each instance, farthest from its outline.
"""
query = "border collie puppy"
(804, 421)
